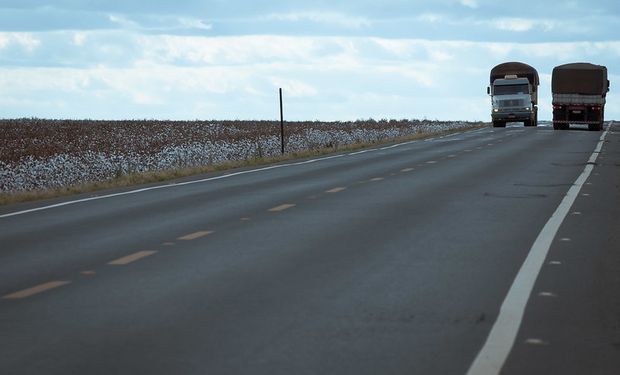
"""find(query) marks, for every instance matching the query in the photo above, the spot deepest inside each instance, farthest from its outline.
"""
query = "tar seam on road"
(227, 175)
(498, 344)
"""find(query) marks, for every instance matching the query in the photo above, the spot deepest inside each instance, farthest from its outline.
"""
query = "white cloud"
(431, 17)
(194, 23)
(294, 88)
(523, 24)
(27, 41)
(333, 18)
(123, 21)
(79, 38)
(513, 24)
(469, 3)
(238, 77)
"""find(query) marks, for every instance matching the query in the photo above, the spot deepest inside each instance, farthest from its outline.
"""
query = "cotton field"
(42, 154)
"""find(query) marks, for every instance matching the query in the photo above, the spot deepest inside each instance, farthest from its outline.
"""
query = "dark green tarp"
(517, 68)
(579, 78)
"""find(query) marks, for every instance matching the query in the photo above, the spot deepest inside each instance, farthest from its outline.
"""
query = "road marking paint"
(88, 273)
(575, 213)
(202, 180)
(555, 262)
(452, 156)
(535, 341)
(376, 179)
(195, 235)
(281, 207)
(131, 258)
(498, 344)
(358, 152)
(335, 190)
(36, 289)
(431, 162)
(547, 294)
(588, 183)
(245, 219)
(489, 144)
(406, 170)
(585, 195)
(565, 239)
(168, 244)
(467, 150)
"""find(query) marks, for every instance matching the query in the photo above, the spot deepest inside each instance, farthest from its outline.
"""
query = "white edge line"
(169, 185)
(498, 344)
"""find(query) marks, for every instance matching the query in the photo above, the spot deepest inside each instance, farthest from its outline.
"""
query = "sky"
(334, 60)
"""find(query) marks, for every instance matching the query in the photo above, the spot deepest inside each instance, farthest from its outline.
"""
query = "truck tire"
(499, 124)
(595, 127)
(535, 119)
(558, 126)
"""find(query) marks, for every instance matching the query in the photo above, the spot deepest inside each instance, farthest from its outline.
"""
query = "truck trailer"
(514, 94)
(579, 91)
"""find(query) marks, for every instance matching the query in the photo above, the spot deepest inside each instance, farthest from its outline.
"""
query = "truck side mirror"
(489, 90)
(608, 84)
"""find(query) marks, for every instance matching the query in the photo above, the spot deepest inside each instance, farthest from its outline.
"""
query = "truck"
(514, 94)
(579, 91)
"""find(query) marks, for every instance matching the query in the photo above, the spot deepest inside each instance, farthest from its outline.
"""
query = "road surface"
(404, 259)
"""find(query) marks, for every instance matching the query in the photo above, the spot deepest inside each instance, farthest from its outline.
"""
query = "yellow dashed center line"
(132, 258)
(36, 289)
(406, 170)
(376, 179)
(193, 236)
(336, 190)
(281, 207)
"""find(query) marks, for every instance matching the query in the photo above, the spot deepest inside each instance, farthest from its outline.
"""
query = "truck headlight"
(495, 110)
(527, 108)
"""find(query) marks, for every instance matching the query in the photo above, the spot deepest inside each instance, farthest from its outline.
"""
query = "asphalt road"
(394, 260)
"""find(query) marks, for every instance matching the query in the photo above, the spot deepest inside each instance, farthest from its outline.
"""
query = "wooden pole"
(281, 122)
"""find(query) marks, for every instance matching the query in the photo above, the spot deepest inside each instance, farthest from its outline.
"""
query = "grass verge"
(134, 179)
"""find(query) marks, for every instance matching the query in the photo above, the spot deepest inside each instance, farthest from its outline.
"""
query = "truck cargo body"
(579, 92)
(514, 94)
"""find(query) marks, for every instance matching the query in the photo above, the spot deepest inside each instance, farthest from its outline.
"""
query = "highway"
(401, 259)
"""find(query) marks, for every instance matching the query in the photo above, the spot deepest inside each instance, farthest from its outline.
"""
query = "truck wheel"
(558, 126)
(595, 127)
(527, 123)
(499, 124)
(535, 123)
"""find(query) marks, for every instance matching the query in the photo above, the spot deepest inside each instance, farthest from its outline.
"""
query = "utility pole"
(281, 122)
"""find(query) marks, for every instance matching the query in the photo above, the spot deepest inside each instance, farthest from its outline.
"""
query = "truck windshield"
(511, 89)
